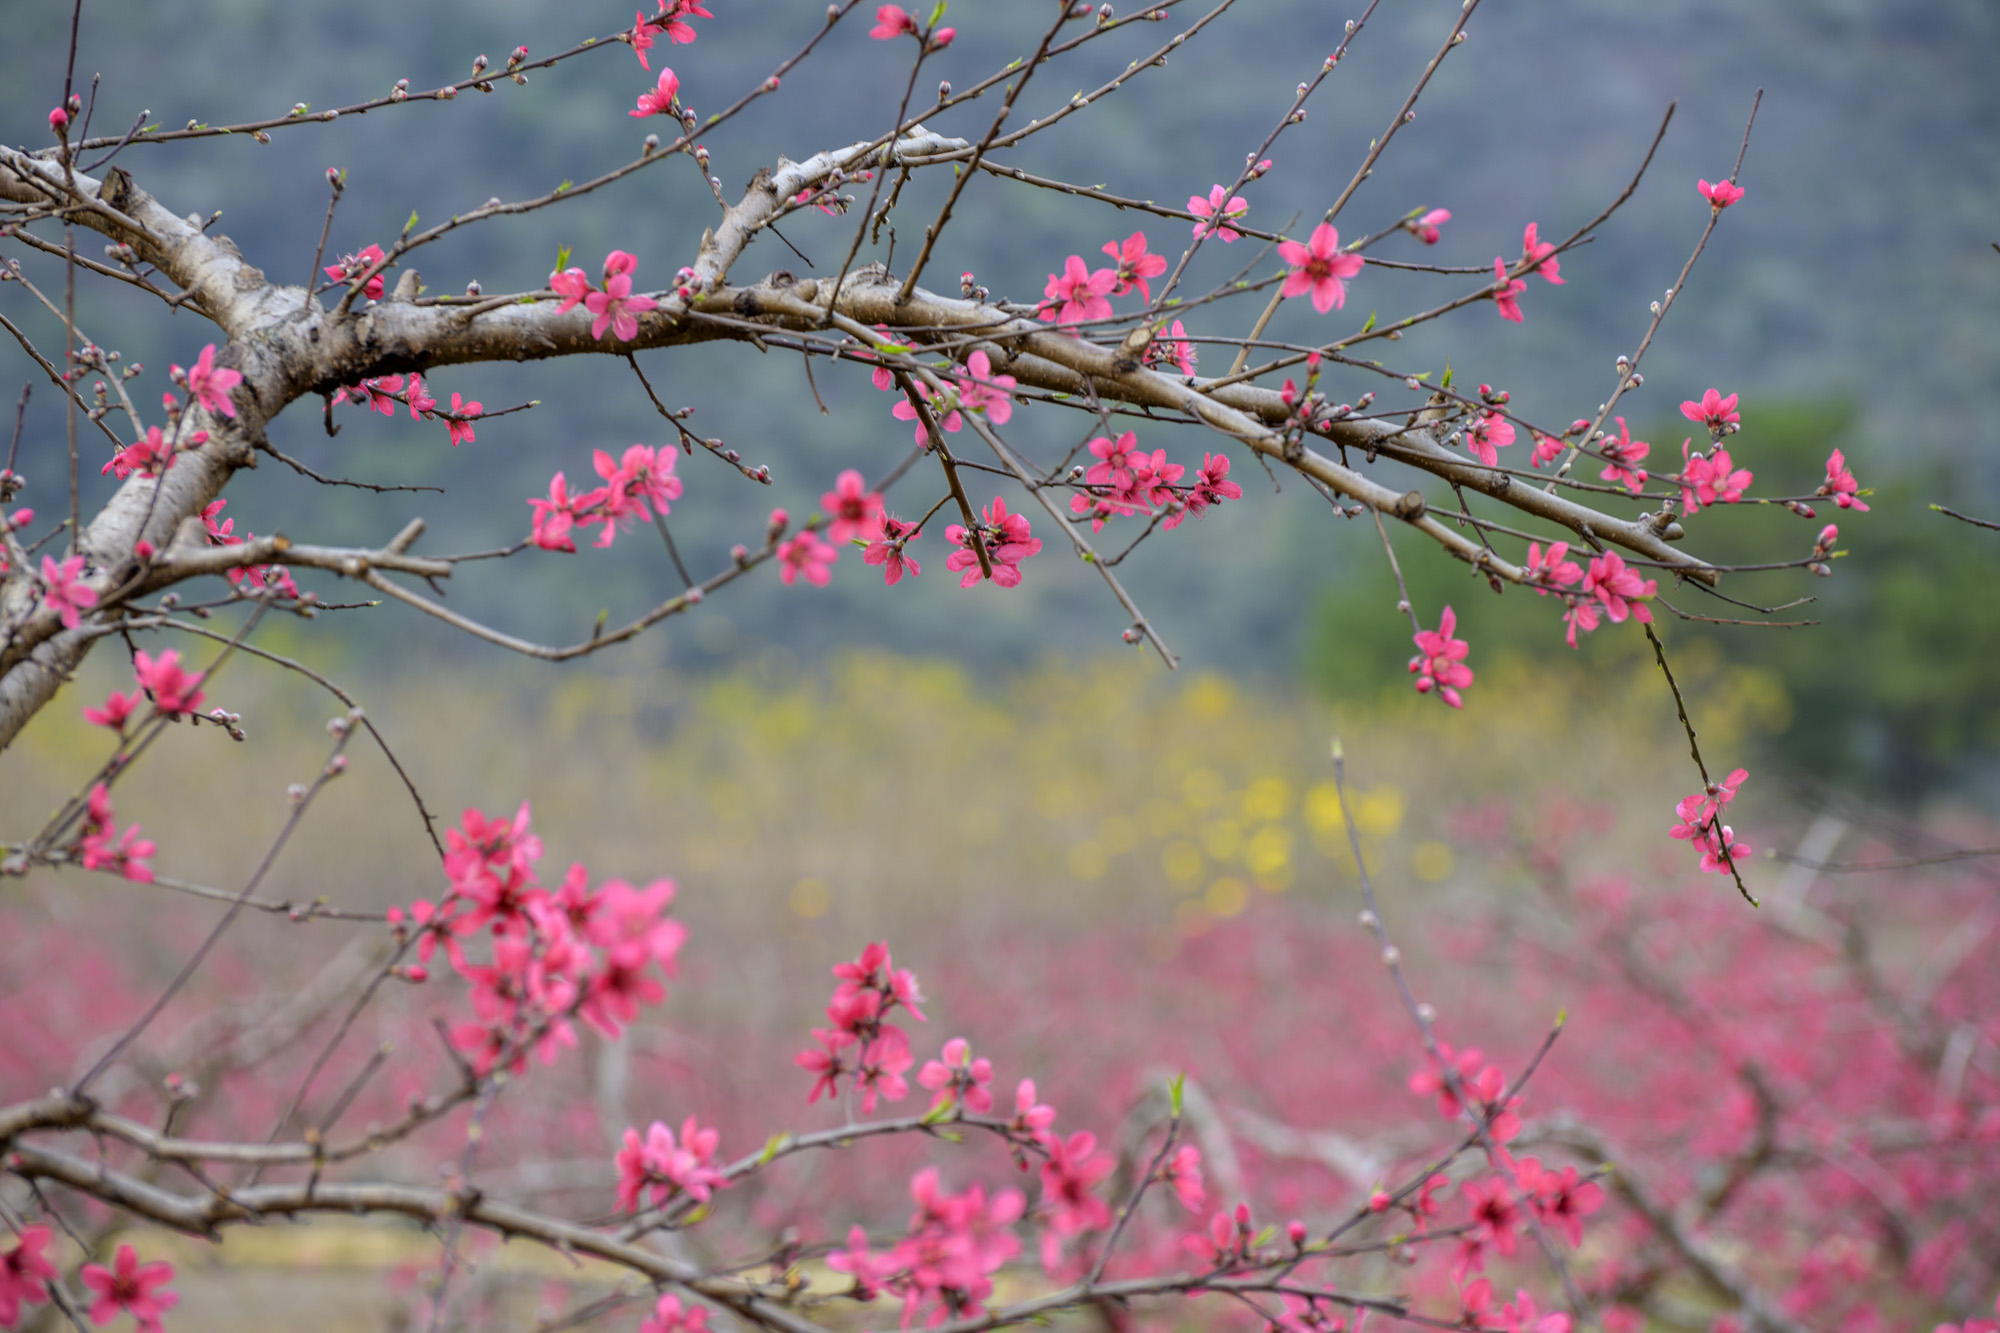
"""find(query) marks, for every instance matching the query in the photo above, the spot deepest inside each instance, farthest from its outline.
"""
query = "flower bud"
(942, 38)
(59, 120)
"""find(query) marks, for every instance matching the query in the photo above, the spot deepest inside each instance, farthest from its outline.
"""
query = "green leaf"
(564, 186)
(562, 258)
(940, 1113)
(1371, 322)
(1175, 1086)
(1426, 375)
(936, 14)
(773, 1146)
(1446, 381)
(411, 225)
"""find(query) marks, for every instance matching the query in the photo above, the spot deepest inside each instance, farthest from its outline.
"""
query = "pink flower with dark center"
(660, 101)
(1115, 464)
(1030, 1116)
(1494, 1216)
(1539, 255)
(806, 555)
(554, 517)
(1217, 212)
(24, 1274)
(1212, 486)
(102, 848)
(855, 512)
(1008, 541)
(891, 22)
(132, 1287)
(1426, 227)
(1135, 265)
(1620, 454)
(866, 1268)
(1581, 616)
(1715, 412)
(615, 306)
(1172, 347)
(1520, 1316)
(1721, 194)
(1619, 588)
(210, 384)
(671, 14)
(1547, 449)
(1077, 293)
(1506, 291)
(1840, 484)
(1712, 479)
(667, 1168)
(1072, 1172)
(1562, 1199)
(64, 591)
(1440, 661)
(1320, 268)
(641, 39)
(888, 550)
(1489, 434)
(981, 390)
(460, 421)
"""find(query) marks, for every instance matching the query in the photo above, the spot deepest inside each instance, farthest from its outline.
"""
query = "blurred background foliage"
(1850, 300)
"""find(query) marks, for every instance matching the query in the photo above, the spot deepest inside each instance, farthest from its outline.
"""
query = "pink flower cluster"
(1840, 484)
(102, 848)
(350, 267)
(956, 1242)
(615, 307)
(1440, 661)
(892, 21)
(1126, 479)
(669, 21)
(131, 1287)
(860, 1042)
(1701, 824)
(1609, 586)
(1712, 478)
(1537, 256)
(1008, 541)
(668, 1168)
(384, 392)
(25, 1273)
(1478, 1083)
(636, 485)
(555, 954)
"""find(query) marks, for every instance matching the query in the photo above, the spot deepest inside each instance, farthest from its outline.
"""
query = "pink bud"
(143, 549)
(417, 972)
(1296, 1231)
(1829, 534)
(58, 120)
(1378, 1201)
(943, 38)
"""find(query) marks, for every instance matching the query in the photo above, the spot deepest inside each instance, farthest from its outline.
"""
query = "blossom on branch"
(1507, 291)
(63, 590)
(1840, 484)
(888, 550)
(1135, 265)
(981, 390)
(805, 554)
(1077, 293)
(1719, 195)
(1320, 268)
(1539, 256)
(1426, 227)
(131, 1287)
(615, 307)
(1619, 456)
(1218, 213)
(1008, 541)
(210, 384)
(1714, 411)
(660, 101)
(1440, 661)
(855, 512)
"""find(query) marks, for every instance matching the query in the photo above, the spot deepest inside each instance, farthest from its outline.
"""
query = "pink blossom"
(881, 1071)
(669, 1317)
(1551, 569)
(1077, 293)
(1506, 291)
(148, 457)
(554, 517)
(1008, 541)
(660, 101)
(981, 390)
(1547, 449)
(891, 22)
(1489, 434)
(1072, 1172)
(1494, 1215)
(64, 591)
(856, 511)
(1721, 194)
(671, 13)
(950, 422)
(460, 421)
(1710, 479)
(1115, 461)
(1620, 454)
(641, 39)
(1581, 616)
(102, 847)
(1172, 347)
(1714, 411)
(356, 264)
(1539, 255)
(132, 1287)
(889, 550)
(1562, 1199)
(210, 384)
(958, 1078)
(615, 306)
(1135, 265)
(1031, 1117)
(806, 554)
(1212, 486)
(1840, 484)
(1426, 227)
(866, 1268)
(1183, 1172)
(1619, 588)
(668, 1168)
(1520, 1316)
(572, 285)
(1218, 213)
(1320, 268)
(24, 1274)
(117, 708)
(1440, 661)
(418, 398)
